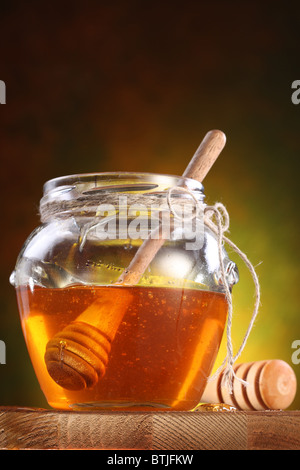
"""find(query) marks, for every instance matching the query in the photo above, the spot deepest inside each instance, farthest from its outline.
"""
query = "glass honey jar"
(98, 338)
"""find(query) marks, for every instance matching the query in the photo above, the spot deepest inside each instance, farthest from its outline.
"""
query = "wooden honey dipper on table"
(77, 356)
(271, 385)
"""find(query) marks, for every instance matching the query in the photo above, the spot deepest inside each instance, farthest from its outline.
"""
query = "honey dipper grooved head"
(278, 384)
(76, 357)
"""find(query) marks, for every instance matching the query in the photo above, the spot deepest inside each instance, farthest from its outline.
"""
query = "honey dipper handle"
(200, 164)
(76, 357)
(206, 155)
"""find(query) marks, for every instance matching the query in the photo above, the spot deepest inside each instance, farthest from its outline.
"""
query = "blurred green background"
(111, 86)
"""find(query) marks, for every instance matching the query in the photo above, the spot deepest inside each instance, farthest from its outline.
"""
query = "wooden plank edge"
(30, 428)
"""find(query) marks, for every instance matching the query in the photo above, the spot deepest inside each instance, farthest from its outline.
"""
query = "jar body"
(159, 336)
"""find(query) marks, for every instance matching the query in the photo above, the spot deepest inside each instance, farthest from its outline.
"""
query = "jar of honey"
(98, 338)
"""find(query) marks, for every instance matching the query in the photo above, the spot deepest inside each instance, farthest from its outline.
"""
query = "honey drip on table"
(215, 407)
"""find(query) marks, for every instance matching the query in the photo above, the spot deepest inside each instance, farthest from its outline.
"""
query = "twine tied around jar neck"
(216, 218)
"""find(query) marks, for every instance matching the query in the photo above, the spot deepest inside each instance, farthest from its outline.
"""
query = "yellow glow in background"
(135, 86)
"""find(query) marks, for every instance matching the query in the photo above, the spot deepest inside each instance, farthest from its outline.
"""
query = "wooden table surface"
(30, 428)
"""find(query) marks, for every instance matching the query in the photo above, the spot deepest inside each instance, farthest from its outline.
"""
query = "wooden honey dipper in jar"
(271, 385)
(77, 356)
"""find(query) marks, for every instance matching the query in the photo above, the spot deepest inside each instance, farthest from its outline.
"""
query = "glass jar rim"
(105, 180)
(81, 194)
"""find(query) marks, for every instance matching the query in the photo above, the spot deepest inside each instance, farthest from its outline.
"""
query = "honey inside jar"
(162, 353)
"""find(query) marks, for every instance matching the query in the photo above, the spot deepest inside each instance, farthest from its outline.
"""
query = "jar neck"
(81, 195)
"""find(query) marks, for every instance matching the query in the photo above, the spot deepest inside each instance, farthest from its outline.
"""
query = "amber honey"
(160, 357)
